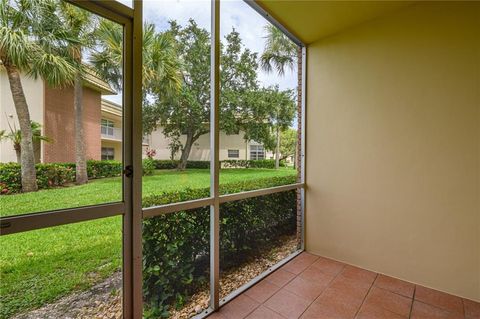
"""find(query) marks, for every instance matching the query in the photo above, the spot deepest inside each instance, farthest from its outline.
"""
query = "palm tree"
(80, 25)
(281, 53)
(33, 42)
(15, 136)
(161, 65)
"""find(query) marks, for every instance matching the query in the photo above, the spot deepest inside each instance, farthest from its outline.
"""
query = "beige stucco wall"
(393, 146)
(34, 93)
(116, 145)
(201, 148)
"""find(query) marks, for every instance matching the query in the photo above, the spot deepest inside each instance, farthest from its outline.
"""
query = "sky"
(233, 14)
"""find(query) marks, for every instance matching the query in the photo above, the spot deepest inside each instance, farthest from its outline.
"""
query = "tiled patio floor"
(315, 287)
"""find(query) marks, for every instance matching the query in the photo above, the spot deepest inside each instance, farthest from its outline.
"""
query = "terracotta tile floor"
(315, 287)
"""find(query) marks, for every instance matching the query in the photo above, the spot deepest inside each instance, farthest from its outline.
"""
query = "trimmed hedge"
(102, 169)
(54, 174)
(60, 174)
(169, 164)
(267, 163)
(48, 175)
(176, 245)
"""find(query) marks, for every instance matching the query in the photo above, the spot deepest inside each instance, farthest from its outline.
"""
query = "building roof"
(111, 108)
(93, 80)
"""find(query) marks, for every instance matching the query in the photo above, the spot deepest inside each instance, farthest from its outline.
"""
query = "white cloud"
(233, 14)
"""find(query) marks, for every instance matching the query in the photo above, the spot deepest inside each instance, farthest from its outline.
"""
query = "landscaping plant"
(176, 246)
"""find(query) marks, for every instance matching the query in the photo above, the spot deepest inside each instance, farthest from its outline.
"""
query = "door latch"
(128, 171)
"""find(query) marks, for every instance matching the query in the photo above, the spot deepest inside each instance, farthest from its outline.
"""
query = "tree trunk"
(298, 152)
(277, 149)
(186, 152)
(80, 158)
(27, 158)
(18, 152)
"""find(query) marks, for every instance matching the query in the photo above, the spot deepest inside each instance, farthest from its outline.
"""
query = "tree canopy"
(245, 106)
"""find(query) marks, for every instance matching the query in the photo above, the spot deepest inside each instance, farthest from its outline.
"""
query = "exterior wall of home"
(34, 93)
(201, 148)
(393, 146)
(157, 141)
(113, 112)
(117, 146)
(59, 124)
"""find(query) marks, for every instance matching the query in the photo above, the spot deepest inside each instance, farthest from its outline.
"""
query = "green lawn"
(110, 189)
(40, 266)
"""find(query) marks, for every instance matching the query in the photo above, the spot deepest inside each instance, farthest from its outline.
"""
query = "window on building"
(257, 152)
(108, 153)
(233, 153)
(107, 127)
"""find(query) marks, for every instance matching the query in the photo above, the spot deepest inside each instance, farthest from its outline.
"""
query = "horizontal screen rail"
(259, 192)
(21, 223)
(175, 207)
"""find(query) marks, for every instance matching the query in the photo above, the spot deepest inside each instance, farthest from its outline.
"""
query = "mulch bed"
(103, 301)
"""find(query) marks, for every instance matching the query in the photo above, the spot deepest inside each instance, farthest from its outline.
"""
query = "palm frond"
(279, 51)
(107, 55)
(35, 40)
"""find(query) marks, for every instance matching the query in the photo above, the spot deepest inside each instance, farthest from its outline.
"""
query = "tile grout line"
(328, 286)
(413, 300)
(365, 298)
(282, 287)
(248, 314)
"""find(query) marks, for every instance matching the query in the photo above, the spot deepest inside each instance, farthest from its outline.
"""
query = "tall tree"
(80, 24)
(272, 113)
(161, 77)
(33, 42)
(280, 53)
(288, 143)
(188, 113)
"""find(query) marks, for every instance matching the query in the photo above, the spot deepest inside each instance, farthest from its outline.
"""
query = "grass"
(40, 266)
(110, 189)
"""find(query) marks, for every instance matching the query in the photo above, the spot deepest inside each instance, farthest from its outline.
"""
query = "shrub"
(102, 169)
(176, 245)
(165, 164)
(54, 174)
(198, 164)
(169, 164)
(148, 166)
(262, 164)
(10, 178)
(249, 163)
